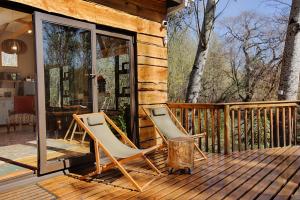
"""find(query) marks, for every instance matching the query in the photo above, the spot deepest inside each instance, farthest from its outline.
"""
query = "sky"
(235, 7)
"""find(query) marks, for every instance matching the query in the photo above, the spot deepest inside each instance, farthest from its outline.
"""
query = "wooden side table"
(181, 154)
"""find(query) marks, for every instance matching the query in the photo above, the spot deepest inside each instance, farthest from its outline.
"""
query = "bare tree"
(289, 77)
(254, 52)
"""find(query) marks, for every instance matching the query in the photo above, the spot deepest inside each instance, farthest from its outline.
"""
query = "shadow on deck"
(254, 174)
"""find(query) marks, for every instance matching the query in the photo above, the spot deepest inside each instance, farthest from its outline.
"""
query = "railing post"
(226, 128)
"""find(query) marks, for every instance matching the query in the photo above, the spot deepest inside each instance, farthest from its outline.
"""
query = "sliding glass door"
(65, 86)
(79, 70)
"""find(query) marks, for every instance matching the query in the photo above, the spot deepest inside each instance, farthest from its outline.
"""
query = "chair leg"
(97, 155)
(68, 131)
(151, 165)
(123, 170)
(83, 137)
(74, 129)
(199, 150)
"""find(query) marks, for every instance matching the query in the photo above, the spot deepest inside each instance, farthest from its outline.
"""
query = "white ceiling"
(13, 21)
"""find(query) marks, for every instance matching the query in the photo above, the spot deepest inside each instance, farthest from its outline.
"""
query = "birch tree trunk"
(194, 85)
(289, 77)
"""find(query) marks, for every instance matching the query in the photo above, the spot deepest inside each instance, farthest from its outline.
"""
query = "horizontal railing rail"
(240, 126)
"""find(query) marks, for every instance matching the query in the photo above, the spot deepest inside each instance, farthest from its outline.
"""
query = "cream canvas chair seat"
(96, 126)
(168, 126)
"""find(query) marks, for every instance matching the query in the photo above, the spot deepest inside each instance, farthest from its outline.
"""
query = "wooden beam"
(22, 21)
(98, 14)
(154, 11)
(3, 28)
(20, 32)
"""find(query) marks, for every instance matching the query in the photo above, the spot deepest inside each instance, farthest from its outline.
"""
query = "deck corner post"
(226, 128)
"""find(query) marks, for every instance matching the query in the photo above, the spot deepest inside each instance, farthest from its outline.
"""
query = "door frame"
(45, 166)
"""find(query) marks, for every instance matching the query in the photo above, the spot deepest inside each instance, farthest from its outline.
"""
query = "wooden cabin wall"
(152, 10)
(152, 65)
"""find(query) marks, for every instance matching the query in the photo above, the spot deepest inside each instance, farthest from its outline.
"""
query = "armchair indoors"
(23, 112)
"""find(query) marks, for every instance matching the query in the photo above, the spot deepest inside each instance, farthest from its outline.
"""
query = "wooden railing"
(240, 126)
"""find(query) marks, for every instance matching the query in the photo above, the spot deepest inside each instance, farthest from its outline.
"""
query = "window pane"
(9, 60)
(67, 65)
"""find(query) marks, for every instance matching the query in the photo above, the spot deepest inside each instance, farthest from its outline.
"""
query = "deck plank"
(169, 182)
(262, 174)
(237, 174)
(276, 186)
(289, 188)
(127, 195)
(246, 176)
(186, 189)
(245, 187)
(260, 187)
(205, 184)
(28, 193)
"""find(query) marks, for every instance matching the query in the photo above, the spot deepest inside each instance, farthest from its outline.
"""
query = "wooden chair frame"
(116, 162)
(78, 109)
(177, 123)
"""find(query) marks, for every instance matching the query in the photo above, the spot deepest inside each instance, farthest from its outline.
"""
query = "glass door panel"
(113, 69)
(67, 65)
(115, 78)
(65, 86)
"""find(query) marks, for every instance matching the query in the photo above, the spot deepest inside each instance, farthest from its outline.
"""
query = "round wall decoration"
(12, 46)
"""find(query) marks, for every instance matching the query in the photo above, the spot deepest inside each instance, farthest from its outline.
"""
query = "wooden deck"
(254, 174)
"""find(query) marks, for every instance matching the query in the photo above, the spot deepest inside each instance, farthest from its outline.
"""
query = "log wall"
(140, 16)
(152, 81)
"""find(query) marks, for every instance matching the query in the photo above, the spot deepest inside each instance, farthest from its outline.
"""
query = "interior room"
(17, 93)
(18, 116)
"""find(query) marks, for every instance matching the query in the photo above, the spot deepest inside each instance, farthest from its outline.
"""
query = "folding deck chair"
(95, 124)
(168, 126)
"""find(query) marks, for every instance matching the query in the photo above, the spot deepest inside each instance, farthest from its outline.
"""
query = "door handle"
(91, 76)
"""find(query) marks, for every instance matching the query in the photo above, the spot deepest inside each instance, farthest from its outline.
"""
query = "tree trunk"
(289, 77)
(194, 85)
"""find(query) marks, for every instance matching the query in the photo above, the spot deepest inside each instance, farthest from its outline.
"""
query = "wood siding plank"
(151, 51)
(144, 60)
(152, 87)
(152, 97)
(148, 39)
(152, 74)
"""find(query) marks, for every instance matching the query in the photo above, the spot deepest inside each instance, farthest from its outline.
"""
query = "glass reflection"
(67, 65)
(113, 69)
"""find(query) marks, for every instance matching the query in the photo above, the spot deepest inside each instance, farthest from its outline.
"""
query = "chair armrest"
(151, 149)
(196, 136)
